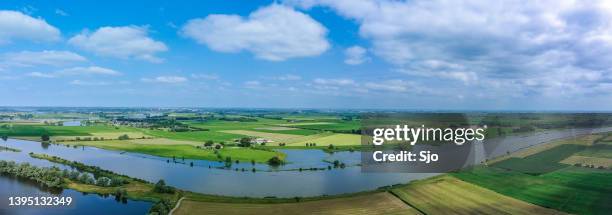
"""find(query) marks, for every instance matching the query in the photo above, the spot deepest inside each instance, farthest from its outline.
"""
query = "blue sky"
(474, 55)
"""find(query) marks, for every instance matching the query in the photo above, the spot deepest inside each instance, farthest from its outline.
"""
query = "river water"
(81, 203)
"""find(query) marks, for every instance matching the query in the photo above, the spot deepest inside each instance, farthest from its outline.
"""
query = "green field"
(542, 162)
(187, 151)
(572, 190)
(335, 126)
(329, 139)
(449, 195)
(375, 203)
(38, 130)
(602, 150)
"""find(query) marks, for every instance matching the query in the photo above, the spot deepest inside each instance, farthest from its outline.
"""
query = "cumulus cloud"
(123, 42)
(16, 25)
(166, 79)
(517, 42)
(355, 55)
(273, 33)
(47, 57)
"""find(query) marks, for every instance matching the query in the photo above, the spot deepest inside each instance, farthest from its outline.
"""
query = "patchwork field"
(601, 150)
(378, 203)
(449, 195)
(582, 160)
(542, 162)
(573, 190)
(200, 136)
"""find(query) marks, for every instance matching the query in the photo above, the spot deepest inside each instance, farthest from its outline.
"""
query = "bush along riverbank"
(92, 179)
(4, 148)
(48, 177)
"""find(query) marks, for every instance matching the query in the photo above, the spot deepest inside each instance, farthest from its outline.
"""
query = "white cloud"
(205, 76)
(489, 41)
(61, 12)
(92, 70)
(273, 33)
(338, 82)
(75, 71)
(16, 25)
(355, 55)
(166, 79)
(47, 57)
(252, 84)
(121, 42)
(391, 85)
(40, 75)
(89, 83)
(289, 77)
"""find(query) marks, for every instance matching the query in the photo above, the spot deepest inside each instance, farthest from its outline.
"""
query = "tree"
(4, 137)
(160, 187)
(103, 182)
(275, 161)
(208, 143)
(245, 142)
(124, 137)
(45, 137)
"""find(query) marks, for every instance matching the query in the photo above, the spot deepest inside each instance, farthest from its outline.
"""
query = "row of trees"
(106, 177)
(50, 177)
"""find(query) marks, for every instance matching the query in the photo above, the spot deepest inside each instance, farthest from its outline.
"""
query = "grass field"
(38, 130)
(572, 190)
(449, 195)
(336, 126)
(219, 125)
(276, 137)
(378, 203)
(542, 162)
(330, 138)
(582, 160)
(601, 150)
(201, 136)
(105, 135)
(187, 151)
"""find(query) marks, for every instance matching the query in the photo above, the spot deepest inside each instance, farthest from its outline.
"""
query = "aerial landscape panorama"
(305, 107)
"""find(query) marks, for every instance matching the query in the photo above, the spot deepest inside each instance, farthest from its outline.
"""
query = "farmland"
(572, 190)
(376, 203)
(447, 194)
(186, 151)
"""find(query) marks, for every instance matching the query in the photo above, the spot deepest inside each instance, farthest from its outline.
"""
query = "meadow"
(183, 151)
(543, 162)
(573, 189)
(375, 203)
(448, 195)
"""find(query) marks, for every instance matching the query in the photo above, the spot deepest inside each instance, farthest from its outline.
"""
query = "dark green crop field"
(543, 162)
(573, 189)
